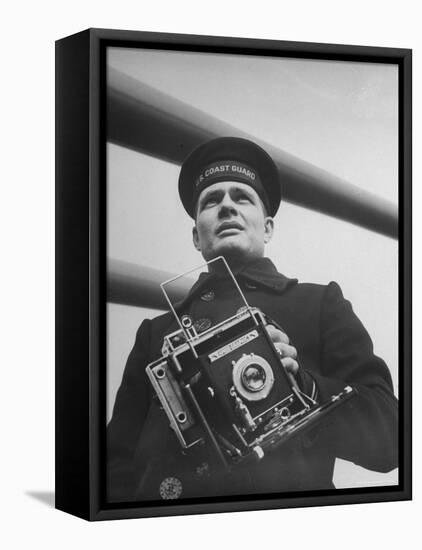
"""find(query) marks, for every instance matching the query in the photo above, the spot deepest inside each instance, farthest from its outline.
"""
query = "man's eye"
(244, 198)
(209, 202)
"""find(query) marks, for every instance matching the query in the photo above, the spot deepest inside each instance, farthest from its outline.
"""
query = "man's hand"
(287, 352)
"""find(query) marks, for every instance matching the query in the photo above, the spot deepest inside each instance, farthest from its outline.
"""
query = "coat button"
(170, 488)
(208, 296)
(203, 469)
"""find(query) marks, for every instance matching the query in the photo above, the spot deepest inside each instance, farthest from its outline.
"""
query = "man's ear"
(268, 229)
(195, 238)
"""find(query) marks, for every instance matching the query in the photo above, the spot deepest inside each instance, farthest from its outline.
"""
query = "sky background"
(339, 116)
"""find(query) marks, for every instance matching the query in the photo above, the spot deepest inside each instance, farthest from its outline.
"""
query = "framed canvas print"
(233, 274)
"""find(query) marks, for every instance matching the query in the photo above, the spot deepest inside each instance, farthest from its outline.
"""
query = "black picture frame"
(81, 285)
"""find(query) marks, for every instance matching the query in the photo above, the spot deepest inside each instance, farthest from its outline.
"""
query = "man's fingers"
(285, 350)
(277, 335)
(290, 365)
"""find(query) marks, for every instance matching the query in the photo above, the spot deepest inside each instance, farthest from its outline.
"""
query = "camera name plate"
(228, 348)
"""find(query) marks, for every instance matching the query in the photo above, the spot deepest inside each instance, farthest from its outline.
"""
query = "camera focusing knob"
(186, 321)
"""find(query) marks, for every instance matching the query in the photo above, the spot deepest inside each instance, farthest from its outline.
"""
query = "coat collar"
(264, 273)
(261, 272)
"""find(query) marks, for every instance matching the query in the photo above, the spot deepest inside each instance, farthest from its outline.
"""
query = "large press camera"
(225, 389)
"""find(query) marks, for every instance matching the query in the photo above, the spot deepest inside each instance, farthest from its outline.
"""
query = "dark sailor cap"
(229, 159)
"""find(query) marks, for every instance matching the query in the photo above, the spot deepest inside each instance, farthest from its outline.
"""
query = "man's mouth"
(229, 226)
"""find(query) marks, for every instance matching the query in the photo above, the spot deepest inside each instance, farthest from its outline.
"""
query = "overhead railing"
(135, 285)
(149, 121)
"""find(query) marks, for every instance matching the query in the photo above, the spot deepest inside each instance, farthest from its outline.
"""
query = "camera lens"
(254, 377)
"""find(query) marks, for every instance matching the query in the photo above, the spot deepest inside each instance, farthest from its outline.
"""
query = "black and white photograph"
(208, 249)
(252, 319)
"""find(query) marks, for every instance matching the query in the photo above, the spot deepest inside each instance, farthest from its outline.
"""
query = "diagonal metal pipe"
(137, 285)
(147, 120)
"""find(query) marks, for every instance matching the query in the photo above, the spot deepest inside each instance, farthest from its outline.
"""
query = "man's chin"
(232, 253)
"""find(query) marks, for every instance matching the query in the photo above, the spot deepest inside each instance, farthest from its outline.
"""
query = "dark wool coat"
(334, 350)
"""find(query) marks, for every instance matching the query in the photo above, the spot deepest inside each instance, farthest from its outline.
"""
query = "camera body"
(227, 391)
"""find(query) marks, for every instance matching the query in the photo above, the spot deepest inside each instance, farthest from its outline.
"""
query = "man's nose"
(227, 206)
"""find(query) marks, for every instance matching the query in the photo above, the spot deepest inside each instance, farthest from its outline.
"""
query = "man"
(230, 187)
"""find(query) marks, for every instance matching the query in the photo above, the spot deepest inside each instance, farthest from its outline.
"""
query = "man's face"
(231, 222)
